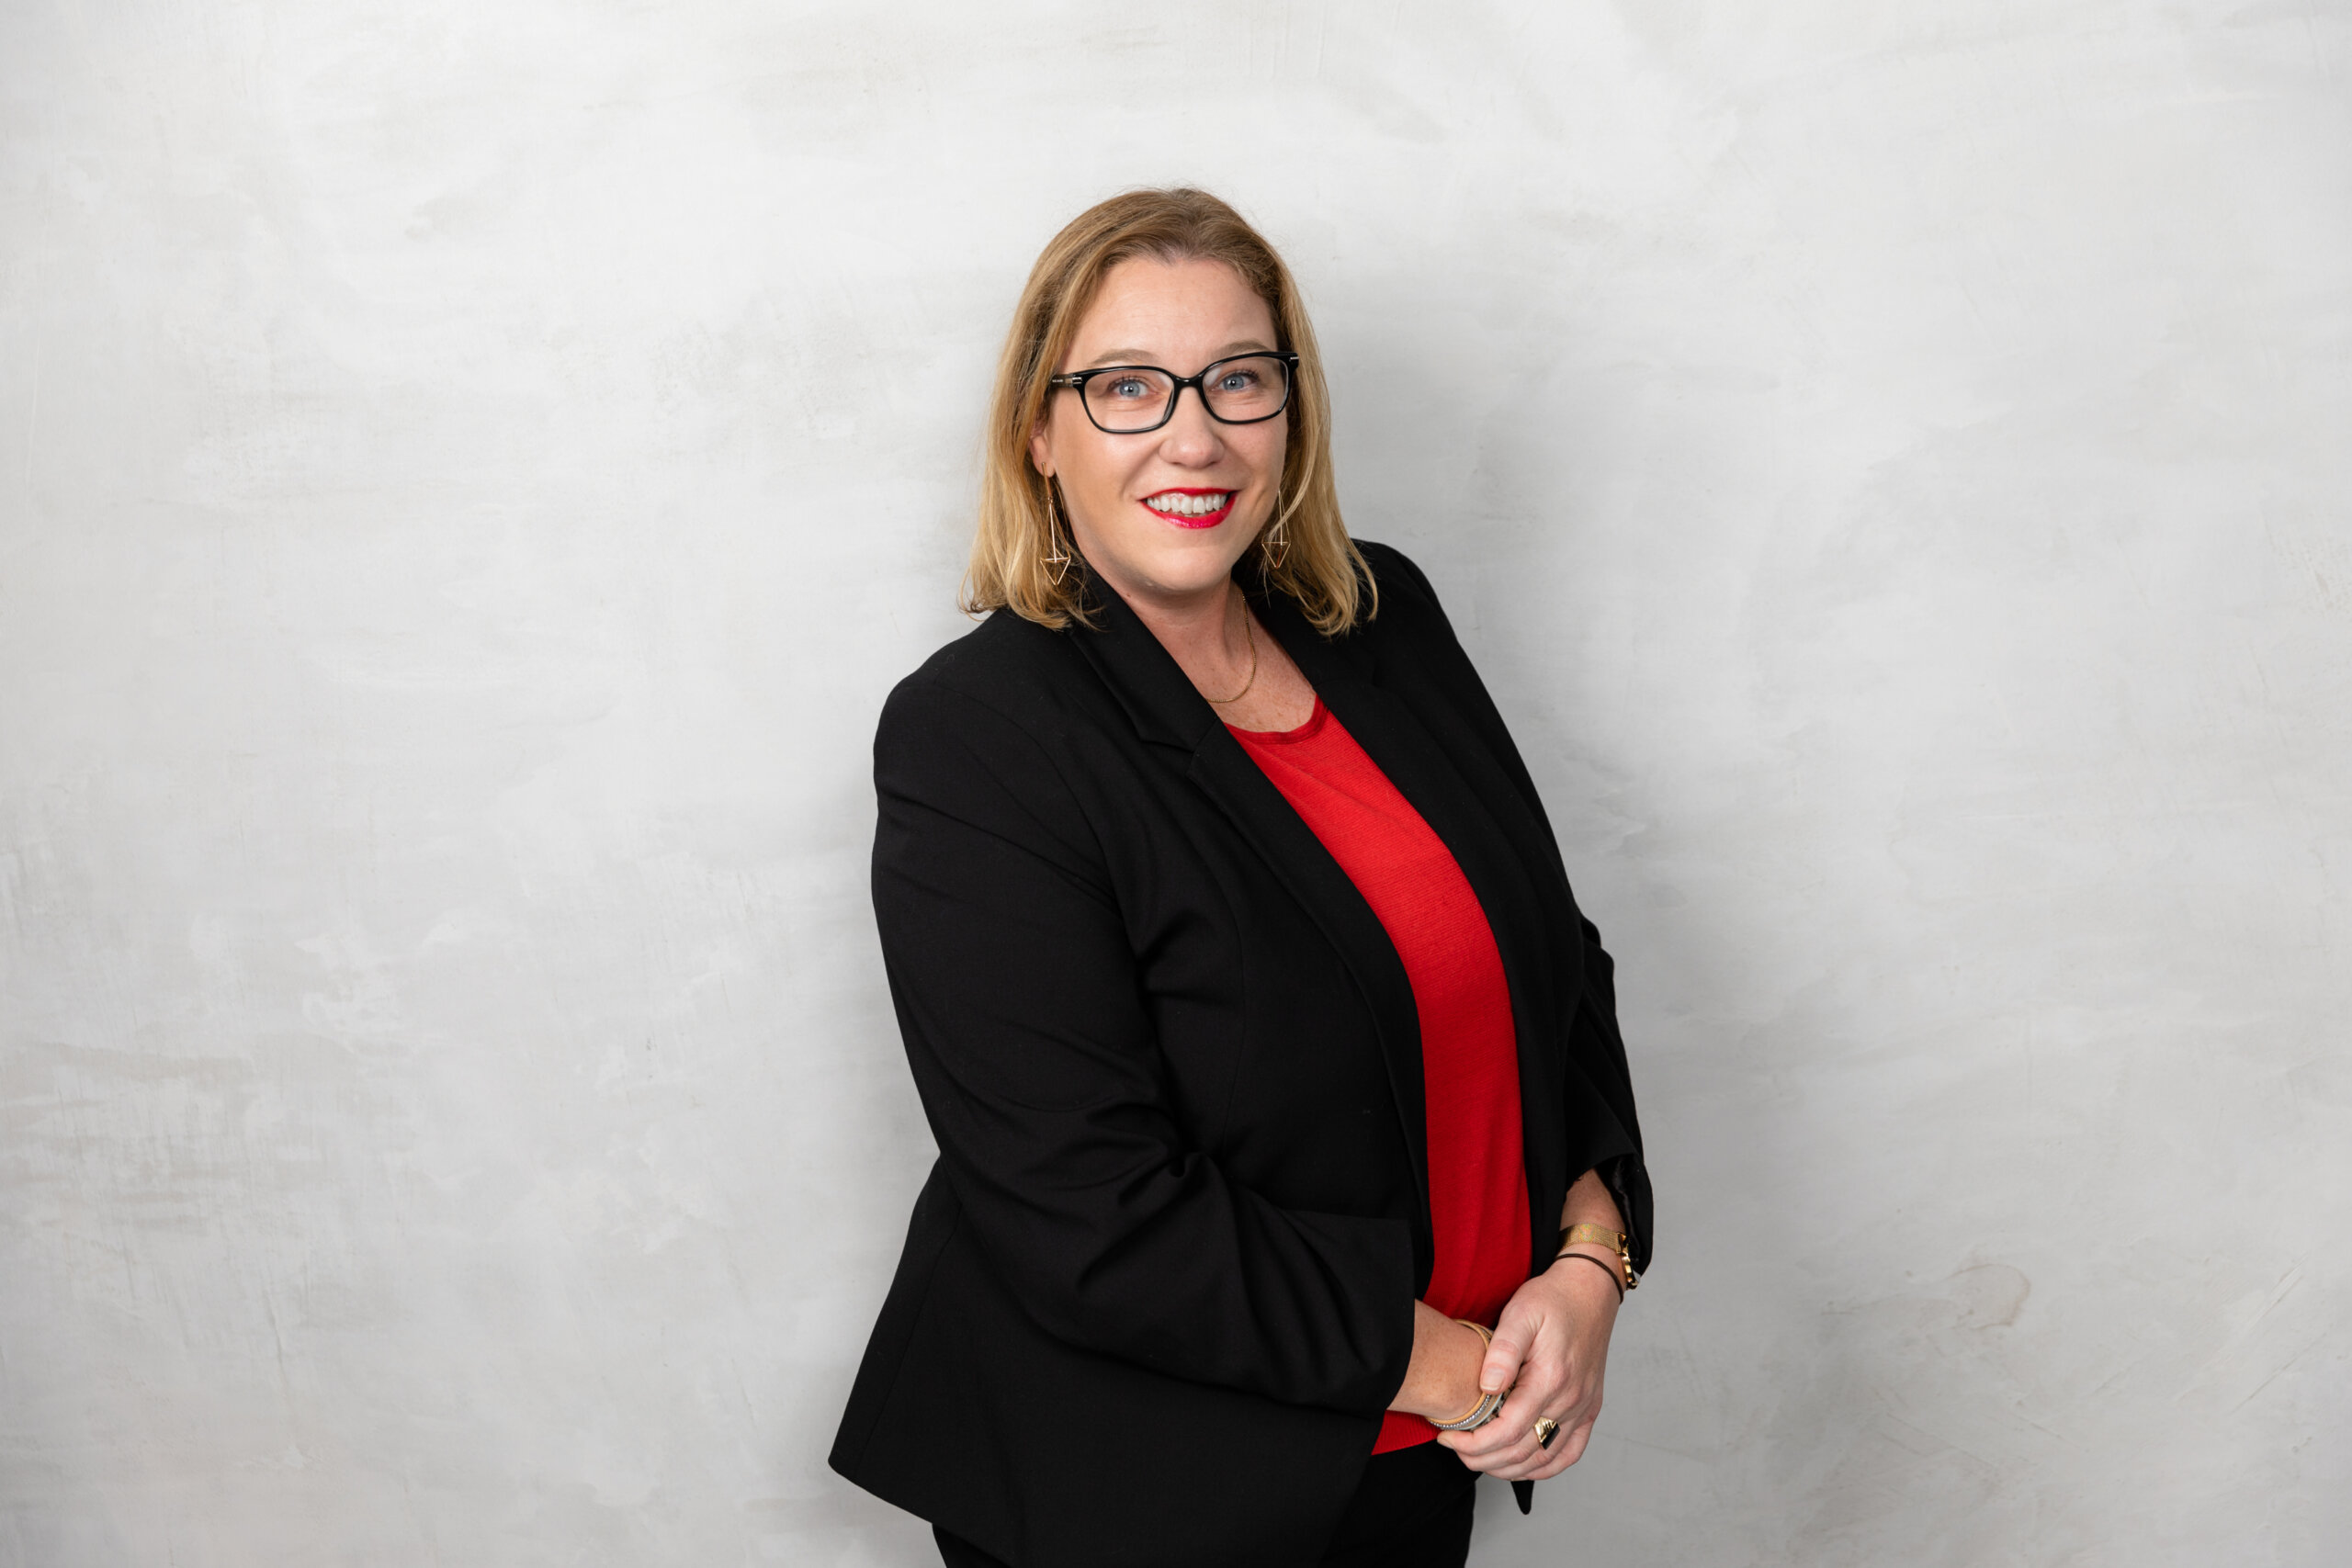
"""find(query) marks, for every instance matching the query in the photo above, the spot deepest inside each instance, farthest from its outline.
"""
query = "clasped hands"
(1550, 1349)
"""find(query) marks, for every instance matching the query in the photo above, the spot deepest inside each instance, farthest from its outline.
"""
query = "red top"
(1469, 1050)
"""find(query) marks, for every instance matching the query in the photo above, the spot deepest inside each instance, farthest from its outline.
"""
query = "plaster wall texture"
(469, 475)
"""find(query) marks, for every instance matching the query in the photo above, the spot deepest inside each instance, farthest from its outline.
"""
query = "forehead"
(1194, 304)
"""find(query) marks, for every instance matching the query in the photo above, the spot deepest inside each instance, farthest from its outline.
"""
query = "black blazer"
(1160, 1285)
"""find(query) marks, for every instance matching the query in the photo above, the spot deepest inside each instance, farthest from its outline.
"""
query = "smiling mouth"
(1191, 508)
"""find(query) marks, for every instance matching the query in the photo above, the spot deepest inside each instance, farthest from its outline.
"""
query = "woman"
(1273, 1070)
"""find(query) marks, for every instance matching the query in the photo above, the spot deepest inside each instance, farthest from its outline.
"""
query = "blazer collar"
(1160, 699)
(1142, 675)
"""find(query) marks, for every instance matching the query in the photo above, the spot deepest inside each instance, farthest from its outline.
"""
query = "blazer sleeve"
(1595, 1039)
(1021, 1002)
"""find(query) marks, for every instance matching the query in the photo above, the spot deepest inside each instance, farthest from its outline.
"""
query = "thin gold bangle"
(1463, 1422)
(1480, 1413)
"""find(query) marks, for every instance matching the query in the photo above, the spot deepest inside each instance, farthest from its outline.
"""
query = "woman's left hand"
(1553, 1344)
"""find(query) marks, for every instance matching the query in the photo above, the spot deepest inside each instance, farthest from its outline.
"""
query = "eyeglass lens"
(1253, 387)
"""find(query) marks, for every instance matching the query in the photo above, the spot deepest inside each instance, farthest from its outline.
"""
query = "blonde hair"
(1320, 567)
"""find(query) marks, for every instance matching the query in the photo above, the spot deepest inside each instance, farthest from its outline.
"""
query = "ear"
(1040, 453)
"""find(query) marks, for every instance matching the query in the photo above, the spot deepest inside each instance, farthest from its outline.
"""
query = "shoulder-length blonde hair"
(1318, 565)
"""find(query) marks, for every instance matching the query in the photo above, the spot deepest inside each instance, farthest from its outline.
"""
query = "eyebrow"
(1142, 356)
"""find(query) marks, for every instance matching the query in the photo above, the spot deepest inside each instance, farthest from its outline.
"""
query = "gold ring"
(1545, 1430)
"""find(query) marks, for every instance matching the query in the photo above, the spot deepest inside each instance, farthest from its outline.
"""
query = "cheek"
(1267, 450)
(1095, 461)
(1094, 471)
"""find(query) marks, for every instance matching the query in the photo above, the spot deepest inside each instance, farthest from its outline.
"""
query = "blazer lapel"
(1167, 711)
(1390, 734)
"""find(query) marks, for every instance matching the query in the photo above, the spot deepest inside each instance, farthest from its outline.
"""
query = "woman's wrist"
(1589, 1223)
(1590, 1268)
(1482, 1409)
(1448, 1356)
(1465, 1360)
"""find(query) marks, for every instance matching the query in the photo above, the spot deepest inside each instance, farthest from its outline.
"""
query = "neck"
(1202, 630)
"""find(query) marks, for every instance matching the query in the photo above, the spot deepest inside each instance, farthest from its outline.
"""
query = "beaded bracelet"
(1480, 1413)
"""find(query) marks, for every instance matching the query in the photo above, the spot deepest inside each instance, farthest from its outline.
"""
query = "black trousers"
(1413, 1508)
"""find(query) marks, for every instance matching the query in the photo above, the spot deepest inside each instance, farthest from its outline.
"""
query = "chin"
(1187, 571)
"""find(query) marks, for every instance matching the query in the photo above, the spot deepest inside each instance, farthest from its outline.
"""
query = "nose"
(1189, 436)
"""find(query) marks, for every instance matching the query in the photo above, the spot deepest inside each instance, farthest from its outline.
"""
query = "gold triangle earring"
(1056, 559)
(1277, 546)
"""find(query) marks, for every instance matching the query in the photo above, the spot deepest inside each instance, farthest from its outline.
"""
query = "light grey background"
(469, 472)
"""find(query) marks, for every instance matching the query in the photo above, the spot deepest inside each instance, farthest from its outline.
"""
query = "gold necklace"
(1229, 702)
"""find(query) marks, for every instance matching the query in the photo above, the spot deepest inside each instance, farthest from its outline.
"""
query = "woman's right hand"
(1442, 1380)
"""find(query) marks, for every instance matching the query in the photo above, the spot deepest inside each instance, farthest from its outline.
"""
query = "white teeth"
(1189, 505)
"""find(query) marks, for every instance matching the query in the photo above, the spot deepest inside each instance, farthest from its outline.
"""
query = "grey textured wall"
(469, 474)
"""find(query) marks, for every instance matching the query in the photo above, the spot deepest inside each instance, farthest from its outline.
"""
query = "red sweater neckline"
(1308, 731)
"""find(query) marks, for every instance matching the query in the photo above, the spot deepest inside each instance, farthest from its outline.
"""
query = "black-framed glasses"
(1129, 400)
